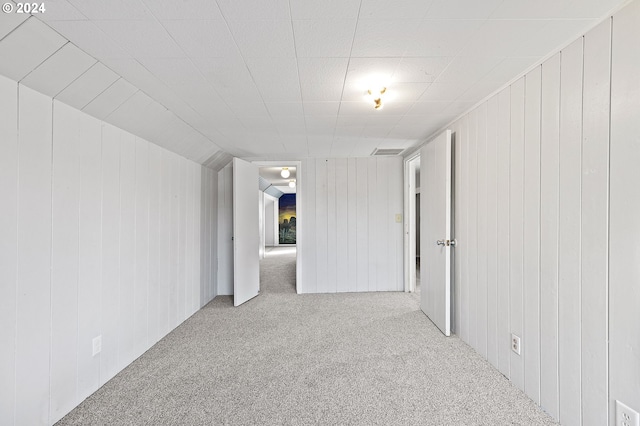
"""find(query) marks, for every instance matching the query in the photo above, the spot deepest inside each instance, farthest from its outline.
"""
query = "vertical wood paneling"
(342, 213)
(154, 242)
(472, 228)
(33, 325)
(64, 261)
(482, 247)
(624, 274)
(165, 242)
(462, 231)
(395, 198)
(595, 212)
(362, 227)
(321, 226)
(141, 273)
(383, 218)
(8, 243)
(174, 237)
(332, 237)
(492, 231)
(352, 224)
(90, 248)
(309, 268)
(189, 230)
(182, 242)
(372, 224)
(127, 249)
(531, 243)
(110, 251)
(197, 241)
(549, 162)
(569, 240)
(516, 229)
(503, 159)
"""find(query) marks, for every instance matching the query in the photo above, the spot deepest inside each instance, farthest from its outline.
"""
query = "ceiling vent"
(388, 151)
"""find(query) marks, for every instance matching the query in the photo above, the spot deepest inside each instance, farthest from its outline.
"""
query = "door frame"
(299, 202)
(410, 222)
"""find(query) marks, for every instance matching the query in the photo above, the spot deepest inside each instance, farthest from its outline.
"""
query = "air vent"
(388, 151)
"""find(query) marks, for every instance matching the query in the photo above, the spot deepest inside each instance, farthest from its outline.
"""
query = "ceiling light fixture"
(292, 183)
(285, 173)
(376, 96)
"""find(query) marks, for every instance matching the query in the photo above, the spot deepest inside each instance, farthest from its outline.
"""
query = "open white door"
(435, 231)
(246, 232)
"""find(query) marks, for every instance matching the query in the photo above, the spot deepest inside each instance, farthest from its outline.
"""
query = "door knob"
(441, 242)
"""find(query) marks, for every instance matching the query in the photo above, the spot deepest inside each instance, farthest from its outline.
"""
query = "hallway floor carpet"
(317, 359)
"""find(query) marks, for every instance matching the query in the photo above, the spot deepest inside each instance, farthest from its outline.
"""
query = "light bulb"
(285, 172)
(292, 183)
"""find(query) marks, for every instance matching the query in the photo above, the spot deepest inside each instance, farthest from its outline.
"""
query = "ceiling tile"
(384, 38)
(444, 91)
(367, 72)
(89, 85)
(422, 109)
(11, 21)
(56, 10)
(553, 36)
(398, 9)
(326, 9)
(27, 47)
(490, 39)
(357, 108)
(468, 70)
(141, 39)
(287, 109)
(249, 109)
(260, 39)
(112, 9)
(321, 108)
(276, 78)
(234, 10)
(545, 9)
(173, 71)
(420, 70)
(321, 92)
(404, 92)
(327, 38)
(199, 38)
(322, 70)
(88, 37)
(191, 9)
(230, 78)
(59, 70)
(105, 103)
(441, 38)
(462, 9)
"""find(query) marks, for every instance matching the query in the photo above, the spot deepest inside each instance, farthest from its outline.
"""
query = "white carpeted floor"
(288, 359)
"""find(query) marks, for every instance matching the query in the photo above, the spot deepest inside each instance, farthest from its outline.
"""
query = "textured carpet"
(287, 359)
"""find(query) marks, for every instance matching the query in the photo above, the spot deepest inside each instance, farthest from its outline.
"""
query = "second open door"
(246, 233)
(435, 231)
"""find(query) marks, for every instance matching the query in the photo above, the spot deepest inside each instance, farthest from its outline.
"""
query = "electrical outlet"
(97, 345)
(626, 416)
(515, 343)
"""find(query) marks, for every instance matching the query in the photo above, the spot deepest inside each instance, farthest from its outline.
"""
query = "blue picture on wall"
(287, 219)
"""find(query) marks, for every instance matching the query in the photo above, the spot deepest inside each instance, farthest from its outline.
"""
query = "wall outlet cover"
(97, 345)
(626, 416)
(515, 344)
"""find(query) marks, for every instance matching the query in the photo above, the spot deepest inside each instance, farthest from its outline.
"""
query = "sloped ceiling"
(283, 79)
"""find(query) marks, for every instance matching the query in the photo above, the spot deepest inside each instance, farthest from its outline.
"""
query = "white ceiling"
(284, 79)
(272, 174)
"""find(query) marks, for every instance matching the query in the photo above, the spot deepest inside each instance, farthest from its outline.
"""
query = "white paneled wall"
(350, 238)
(91, 217)
(537, 194)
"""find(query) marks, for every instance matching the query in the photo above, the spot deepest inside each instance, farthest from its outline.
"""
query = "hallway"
(283, 358)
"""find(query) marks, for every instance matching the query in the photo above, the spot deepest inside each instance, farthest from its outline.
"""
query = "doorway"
(412, 224)
(280, 200)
